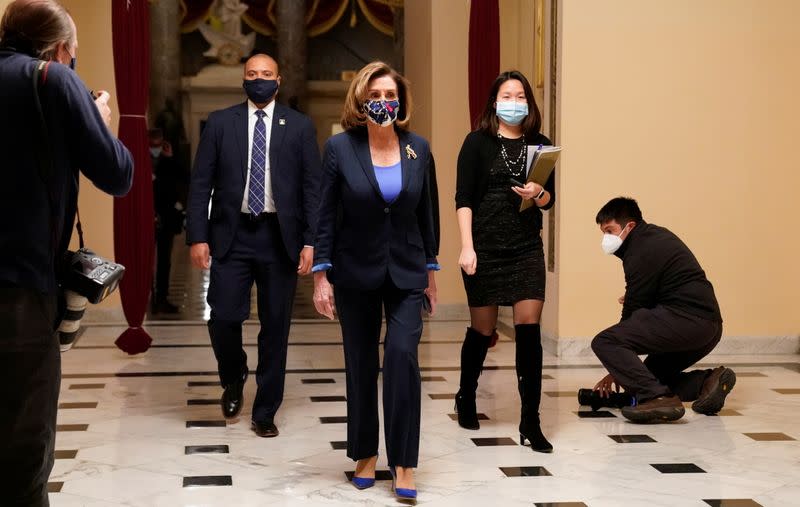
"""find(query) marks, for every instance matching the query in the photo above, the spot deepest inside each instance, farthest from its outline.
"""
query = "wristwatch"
(541, 194)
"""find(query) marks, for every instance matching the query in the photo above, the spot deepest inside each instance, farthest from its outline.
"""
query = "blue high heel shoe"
(404, 495)
(363, 482)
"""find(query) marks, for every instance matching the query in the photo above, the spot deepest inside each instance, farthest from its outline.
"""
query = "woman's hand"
(529, 191)
(431, 291)
(468, 260)
(323, 295)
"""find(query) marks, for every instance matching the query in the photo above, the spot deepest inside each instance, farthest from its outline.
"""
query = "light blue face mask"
(511, 112)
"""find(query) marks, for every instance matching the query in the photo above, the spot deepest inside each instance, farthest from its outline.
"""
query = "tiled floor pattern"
(149, 432)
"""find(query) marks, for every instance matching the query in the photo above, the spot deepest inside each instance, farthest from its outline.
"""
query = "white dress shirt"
(269, 202)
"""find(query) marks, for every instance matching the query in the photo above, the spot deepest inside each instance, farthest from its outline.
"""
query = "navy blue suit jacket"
(221, 165)
(78, 140)
(361, 235)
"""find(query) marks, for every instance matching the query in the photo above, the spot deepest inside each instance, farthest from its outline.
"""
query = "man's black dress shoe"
(265, 429)
(232, 398)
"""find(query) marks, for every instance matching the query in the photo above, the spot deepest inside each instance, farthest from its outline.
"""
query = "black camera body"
(614, 400)
(90, 275)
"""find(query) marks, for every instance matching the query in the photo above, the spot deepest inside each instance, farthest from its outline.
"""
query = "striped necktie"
(258, 163)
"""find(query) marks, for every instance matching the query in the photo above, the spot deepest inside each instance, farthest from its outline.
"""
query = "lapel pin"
(410, 153)
(281, 121)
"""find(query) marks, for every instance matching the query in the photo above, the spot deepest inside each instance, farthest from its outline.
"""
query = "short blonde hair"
(353, 114)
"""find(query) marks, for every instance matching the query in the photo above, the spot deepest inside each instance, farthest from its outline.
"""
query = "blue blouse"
(390, 180)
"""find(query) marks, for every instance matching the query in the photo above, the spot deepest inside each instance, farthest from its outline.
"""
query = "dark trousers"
(164, 241)
(257, 254)
(30, 376)
(673, 341)
(360, 317)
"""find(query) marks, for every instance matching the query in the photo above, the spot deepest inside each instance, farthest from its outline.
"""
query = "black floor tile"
(678, 468)
(481, 416)
(434, 379)
(203, 383)
(206, 424)
(493, 441)
(81, 404)
(525, 471)
(318, 381)
(442, 396)
(591, 414)
(86, 386)
(631, 439)
(380, 475)
(207, 480)
(339, 445)
(336, 419)
(733, 502)
(202, 402)
(66, 454)
(741, 374)
(560, 504)
(326, 399)
(72, 427)
(769, 437)
(54, 487)
(787, 391)
(206, 449)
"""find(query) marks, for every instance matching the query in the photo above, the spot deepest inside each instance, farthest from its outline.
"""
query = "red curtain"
(133, 214)
(484, 53)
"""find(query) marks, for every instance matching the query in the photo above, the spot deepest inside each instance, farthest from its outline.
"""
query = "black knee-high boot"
(529, 382)
(473, 353)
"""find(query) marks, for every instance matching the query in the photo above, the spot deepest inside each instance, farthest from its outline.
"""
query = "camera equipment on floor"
(593, 399)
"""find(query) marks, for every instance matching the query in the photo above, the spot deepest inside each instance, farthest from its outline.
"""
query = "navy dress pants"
(257, 254)
(360, 318)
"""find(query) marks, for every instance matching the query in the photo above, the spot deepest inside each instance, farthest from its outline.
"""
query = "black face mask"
(73, 61)
(260, 91)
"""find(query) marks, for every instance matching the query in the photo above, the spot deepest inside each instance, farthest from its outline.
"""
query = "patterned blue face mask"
(382, 112)
(512, 112)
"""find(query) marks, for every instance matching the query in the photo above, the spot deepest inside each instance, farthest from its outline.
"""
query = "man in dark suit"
(261, 161)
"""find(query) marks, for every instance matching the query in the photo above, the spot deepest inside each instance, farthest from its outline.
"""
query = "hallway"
(147, 431)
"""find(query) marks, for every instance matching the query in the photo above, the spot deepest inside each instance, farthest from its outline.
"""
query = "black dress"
(508, 243)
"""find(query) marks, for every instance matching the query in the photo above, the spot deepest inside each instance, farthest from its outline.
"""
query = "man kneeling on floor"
(669, 312)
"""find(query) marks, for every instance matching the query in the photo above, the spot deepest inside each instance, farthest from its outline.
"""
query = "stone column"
(399, 39)
(292, 53)
(165, 59)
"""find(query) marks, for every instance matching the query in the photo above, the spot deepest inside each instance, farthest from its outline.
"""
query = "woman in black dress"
(502, 258)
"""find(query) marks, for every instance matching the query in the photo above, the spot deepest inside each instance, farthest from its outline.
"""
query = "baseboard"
(729, 345)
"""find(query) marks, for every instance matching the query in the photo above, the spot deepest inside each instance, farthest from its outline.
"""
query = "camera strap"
(44, 157)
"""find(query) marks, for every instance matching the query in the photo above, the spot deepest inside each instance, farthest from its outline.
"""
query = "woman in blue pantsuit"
(377, 243)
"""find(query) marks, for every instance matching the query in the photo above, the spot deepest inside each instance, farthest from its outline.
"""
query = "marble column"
(165, 58)
(399, 38)
(292, 51)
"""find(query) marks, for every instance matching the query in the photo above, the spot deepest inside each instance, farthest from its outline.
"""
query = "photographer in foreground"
(38, 199)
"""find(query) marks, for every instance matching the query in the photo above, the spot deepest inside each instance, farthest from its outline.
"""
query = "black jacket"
(475, 161)
(660, 270)
(78, 140)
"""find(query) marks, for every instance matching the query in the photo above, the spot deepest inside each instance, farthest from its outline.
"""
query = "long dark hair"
(488, 121)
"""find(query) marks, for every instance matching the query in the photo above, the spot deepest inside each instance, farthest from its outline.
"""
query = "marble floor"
(147, 431)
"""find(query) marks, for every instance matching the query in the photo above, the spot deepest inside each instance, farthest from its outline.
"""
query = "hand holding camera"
(101, 101)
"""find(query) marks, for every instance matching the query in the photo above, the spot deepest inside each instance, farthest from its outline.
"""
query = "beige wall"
(701, 97)
(96, 69)
(436, 64)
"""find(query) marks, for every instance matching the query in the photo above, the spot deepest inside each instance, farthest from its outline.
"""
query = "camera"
(89, 275)
(614, 400)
